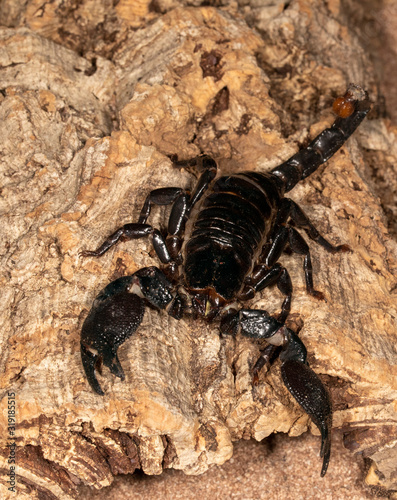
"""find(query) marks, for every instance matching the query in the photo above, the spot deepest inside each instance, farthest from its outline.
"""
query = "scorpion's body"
(222, 246)
(228, 234)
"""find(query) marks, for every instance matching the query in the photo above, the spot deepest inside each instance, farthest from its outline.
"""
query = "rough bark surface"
(85, 138)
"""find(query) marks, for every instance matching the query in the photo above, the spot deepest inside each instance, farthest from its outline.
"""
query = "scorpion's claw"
(89, 360)
(308, 390)
(115, 315)
(301, 381)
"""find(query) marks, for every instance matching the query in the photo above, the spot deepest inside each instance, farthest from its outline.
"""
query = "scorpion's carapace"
(239, 228)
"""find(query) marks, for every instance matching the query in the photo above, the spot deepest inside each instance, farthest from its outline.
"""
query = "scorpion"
(221, 247)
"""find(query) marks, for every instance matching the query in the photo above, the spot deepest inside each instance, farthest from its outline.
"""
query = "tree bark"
(85, 138)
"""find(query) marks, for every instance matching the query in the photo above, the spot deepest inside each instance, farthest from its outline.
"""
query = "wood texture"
(84, 139)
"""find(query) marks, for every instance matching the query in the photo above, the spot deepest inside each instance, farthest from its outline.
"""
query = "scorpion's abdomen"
(228, 232)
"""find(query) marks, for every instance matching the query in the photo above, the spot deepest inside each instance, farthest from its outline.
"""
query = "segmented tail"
(351, 110)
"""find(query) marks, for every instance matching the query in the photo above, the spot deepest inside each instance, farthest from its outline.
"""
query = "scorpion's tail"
(351, 110)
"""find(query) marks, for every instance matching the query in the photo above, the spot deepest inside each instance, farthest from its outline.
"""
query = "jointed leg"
(137, 230)
(299, 246)
(302, 221)
(161, 196)
(282, 234)
(262, 277)
(131, 231)
(182, 204)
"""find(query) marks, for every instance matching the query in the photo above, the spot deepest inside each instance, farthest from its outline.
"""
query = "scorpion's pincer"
(308, 390)
(114, 317)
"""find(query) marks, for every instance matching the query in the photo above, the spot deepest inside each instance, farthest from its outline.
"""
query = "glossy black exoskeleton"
(222, 246)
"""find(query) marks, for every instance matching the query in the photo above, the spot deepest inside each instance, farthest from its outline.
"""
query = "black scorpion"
(235, 235)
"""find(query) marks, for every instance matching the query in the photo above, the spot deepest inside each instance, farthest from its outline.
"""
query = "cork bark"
(93, 103)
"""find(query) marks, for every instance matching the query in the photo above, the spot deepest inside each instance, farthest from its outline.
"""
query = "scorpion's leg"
(302, 221)
(208, 167)
(299, 245)
(182, 204)
(161, 196)
(133, 231)
(282, 233)
(263, 276)
(116, 314)
(302, 382)
(351, 109)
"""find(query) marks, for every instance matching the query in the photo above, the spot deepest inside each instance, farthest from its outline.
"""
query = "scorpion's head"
(207, 302)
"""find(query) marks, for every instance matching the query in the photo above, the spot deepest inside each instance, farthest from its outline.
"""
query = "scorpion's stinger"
(308, 390)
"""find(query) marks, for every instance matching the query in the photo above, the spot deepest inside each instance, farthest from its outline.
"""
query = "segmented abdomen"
(229, 229)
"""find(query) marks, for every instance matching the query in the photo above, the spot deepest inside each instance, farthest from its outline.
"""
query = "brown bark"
(84, 139)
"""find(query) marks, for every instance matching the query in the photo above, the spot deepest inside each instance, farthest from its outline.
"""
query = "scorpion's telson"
(219, 255)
